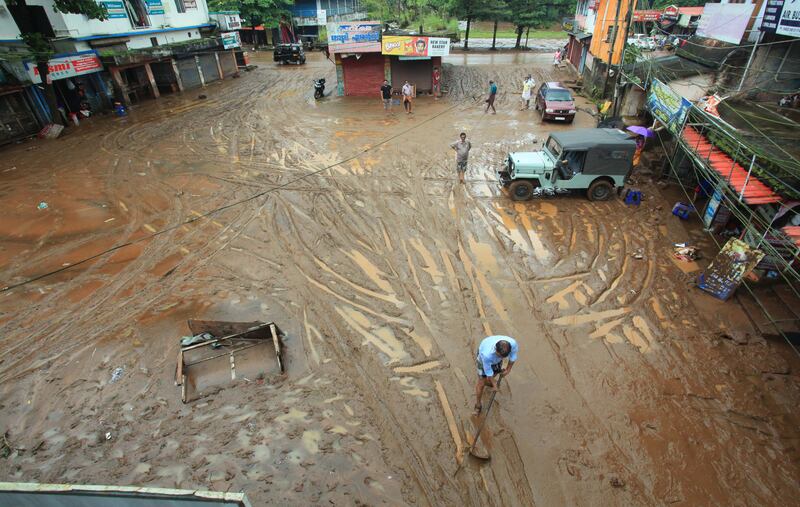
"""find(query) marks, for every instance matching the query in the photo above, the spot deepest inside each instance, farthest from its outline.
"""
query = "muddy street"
(346, 226)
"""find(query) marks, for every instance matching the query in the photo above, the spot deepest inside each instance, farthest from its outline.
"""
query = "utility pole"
(614, 33)
(750, 61)
(628, 20)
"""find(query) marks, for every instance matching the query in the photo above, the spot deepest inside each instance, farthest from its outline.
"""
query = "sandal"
(477, 409)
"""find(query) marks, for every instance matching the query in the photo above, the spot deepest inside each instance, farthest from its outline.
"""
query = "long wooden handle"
(483, 423)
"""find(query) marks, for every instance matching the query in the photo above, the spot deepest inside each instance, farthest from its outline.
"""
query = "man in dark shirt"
(386, 95)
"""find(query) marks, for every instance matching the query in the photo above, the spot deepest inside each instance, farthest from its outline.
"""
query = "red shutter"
(363, 76)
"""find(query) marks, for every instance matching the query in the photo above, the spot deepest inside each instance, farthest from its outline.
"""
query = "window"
(180, 6)
(137, 12)
(612, 32)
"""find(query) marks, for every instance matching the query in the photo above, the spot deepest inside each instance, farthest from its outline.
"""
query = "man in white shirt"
(408, 91)
(491, 353)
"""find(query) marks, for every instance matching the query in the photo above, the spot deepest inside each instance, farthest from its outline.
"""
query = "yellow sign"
(410, 45)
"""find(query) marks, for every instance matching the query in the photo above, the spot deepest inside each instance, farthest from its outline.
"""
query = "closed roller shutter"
(209, 66)
(190, 77)
(363, 76)
(416, 72)
(228, 62)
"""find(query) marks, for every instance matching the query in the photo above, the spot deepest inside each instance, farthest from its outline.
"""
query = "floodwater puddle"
(484, 257)
(311, 440)
(585, 318)
(418, 368)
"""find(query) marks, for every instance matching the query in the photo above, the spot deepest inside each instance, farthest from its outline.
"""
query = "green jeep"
(595, 160)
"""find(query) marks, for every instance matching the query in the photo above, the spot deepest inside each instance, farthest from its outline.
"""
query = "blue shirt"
(487, 356)
(493, 89)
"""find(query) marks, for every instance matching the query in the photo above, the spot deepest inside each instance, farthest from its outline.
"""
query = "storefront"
(77, 82)
(356, 48)
(578, 49)
(17, 117)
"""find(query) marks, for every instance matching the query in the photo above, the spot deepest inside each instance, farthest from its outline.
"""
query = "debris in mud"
(616, 482)
(214, 341)
(201, 97)
(736, 336)
(638, 254)
(686, 253)
(108, 435)
(117, 374)
(42, 205)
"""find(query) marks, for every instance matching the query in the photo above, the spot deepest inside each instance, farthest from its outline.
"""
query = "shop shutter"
(228, 62)
(417, 72)
(190, 77)
(209, 66)
(363, 76)
(16, 118)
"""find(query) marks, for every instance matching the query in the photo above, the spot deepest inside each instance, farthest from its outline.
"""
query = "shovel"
(473, 442)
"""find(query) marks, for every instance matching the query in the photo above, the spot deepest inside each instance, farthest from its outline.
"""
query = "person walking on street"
(492, 96)
(461, 148)
(408, 91)
(386, 95)
(490, 355)
(437, 78)
(527, 88)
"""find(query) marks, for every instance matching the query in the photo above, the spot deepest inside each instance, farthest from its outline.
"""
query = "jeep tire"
(521, 190)
(600, 190)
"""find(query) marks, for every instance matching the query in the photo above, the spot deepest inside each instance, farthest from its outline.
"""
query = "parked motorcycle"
(319, 88)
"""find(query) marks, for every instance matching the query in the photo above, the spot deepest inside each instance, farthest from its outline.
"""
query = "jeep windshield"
(553, 149)
(559, 95)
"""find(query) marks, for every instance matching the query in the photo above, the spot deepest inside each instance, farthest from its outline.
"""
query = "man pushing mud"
(491, 353)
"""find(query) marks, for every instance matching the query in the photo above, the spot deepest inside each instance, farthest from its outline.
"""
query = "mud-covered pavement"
(385, 274)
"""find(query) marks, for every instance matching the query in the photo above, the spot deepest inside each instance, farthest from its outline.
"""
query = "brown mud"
(385, 274)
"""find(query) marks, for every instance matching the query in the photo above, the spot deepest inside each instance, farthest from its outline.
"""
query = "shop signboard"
(729, 267)
(66, 66)
(230, 40)
(568, 24)
(114, 10)
(725, 22)
(322, 17)
(667, 106)
(789, 23)
(671, 12)
(154, 7)
(644, 16)
(411, 45)
(354, 37)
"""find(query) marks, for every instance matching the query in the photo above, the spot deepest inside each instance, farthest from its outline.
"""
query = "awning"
(581, 35)
(753, 191)
(793, 232)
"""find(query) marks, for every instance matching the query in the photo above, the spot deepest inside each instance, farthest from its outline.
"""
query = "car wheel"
(600, 190)
(521, 190)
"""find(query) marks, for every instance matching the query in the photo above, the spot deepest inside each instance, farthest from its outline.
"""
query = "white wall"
(77, 25)
(8, 28)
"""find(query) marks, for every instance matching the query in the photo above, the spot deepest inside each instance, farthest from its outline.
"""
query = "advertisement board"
(66, 66)
(355, 37)
(230, 40)
(667, 106)
(411, 45)
(772, 14)
(643, 16)
(789, 23)
(732, 263)
(725, 22)
(322, 17)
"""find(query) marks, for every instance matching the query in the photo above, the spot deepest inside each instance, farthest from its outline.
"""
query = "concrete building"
(580, 34)
(309, 15)
(144, 49)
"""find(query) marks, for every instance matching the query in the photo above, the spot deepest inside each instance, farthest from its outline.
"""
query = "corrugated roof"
(793, 231)
(755, 192)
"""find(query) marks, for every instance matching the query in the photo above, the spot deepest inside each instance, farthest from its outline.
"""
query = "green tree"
(255, 12)
(40, 44)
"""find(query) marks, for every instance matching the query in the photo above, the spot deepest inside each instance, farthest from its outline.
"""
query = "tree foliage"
(255, 12)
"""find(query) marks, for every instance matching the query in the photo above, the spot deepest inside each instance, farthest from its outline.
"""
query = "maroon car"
(555, 102)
